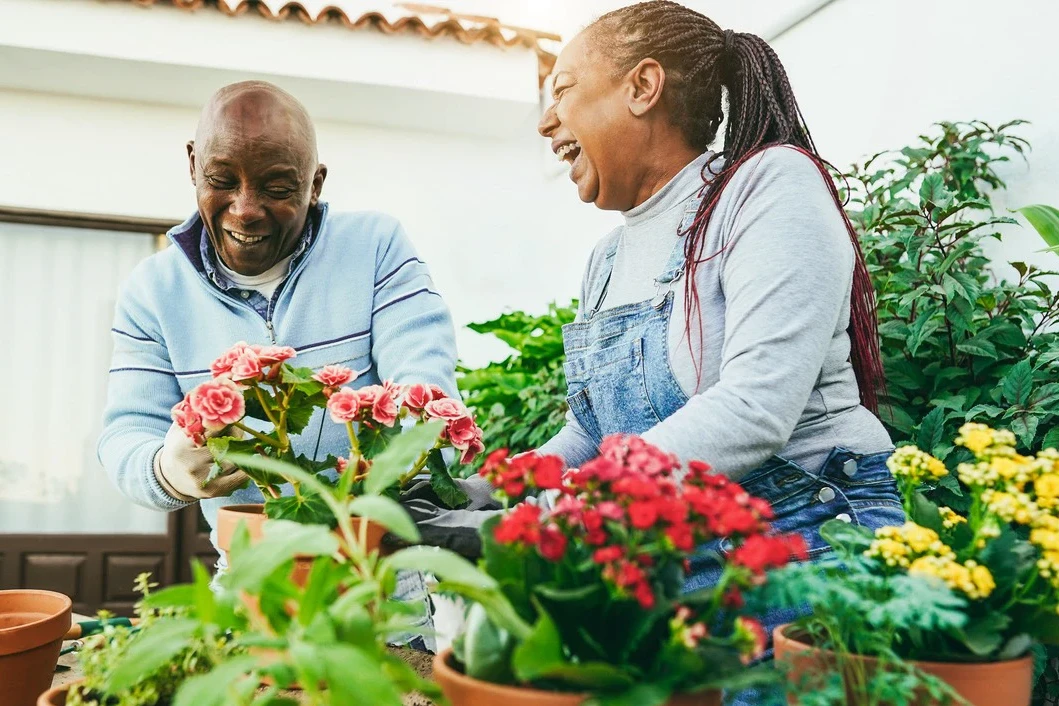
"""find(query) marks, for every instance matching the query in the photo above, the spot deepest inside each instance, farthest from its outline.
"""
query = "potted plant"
(262, 633)
(257, 401)
(32, 625)
(961, 597)
(592, 591)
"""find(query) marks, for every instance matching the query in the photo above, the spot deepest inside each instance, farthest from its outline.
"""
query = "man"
(263, 261)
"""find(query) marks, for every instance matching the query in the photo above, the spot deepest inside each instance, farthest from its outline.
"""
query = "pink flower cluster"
(250, 363)
(383, 405)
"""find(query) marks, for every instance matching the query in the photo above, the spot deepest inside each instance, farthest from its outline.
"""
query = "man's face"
(255, 176)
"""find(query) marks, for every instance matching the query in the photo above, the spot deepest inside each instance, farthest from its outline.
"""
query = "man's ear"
(318, 184)
(191, 160)
(645, 82)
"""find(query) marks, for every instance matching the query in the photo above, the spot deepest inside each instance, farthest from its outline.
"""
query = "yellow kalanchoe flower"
(1046, 487)
(1011, 507)
(983, 441)
(910, 463)
(970, 578)
(899, 546)
(950, 518)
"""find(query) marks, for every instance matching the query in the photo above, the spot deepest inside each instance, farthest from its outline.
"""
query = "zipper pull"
(271, 331)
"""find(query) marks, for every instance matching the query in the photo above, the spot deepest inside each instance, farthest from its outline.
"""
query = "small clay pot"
(55, 696)
(463, 690)
(1008, 683)
(229, 517)
(32, 625)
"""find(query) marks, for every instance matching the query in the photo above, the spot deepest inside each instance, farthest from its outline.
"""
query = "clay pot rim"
(442, 664)
(64, 601)
(779, 634)
(46, 699)
(244, 509)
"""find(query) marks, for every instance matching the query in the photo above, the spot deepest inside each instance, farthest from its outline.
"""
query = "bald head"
(255, 169)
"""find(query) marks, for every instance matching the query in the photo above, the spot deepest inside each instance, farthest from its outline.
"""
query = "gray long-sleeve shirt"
(775, 372)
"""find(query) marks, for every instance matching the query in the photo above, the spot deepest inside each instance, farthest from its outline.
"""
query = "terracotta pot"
(55, 696)
(462, 690)
(1007, 683)
(229, 517)
(32, 625)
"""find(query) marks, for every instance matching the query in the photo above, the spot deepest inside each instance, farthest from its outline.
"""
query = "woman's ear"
(645, 82)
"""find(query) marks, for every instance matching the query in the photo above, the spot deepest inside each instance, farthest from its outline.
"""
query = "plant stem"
(264, 406)
(263, 438)
(418, 466)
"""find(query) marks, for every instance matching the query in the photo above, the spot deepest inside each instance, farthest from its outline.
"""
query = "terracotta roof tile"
(425, 20)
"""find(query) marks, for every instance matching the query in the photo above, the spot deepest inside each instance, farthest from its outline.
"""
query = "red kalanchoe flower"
(733, 599)
(611, 510)
(643, 514)
(522, 524)
(552, 543)
(762, 552)
(548, 472)
(607, 555)
(681, 536)
(644, 595)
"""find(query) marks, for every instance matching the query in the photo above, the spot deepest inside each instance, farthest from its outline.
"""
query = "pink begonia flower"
(341, 465)
(461, 431)
(219, 402)
(437, 393)
(189, 421)
(447, 409)
(334, 376)
(270, 355)
(344, 405)
(419, 396)
(475, 447)
(384, 410)
(247, 367)
(223, 364)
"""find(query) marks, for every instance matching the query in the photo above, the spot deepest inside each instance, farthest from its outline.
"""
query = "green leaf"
(644, 694)
(283, 541)
(925, 513)
(486, 648)
(307, 509)
(846, 537)
(151, 650)
(978, 347)
(896, 417)
(933, 190)
(387, 513)
(389, 465)
(443, 484)
(214, 688)
(181, 595)
(984, 635)
(1051, 439)
(296, 376)
(352, 675)
(931, 431)
(1045, 220)
(1018, 383)
(921, 330)
(1016, 647)
(445, 564)
(1025, 428)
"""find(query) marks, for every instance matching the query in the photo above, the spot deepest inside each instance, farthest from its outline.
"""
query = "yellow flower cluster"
(1046, 537)
(915, 466)
(950, 518)
(970, 577)
(900, 546)
(983, 441)
(1013, 506)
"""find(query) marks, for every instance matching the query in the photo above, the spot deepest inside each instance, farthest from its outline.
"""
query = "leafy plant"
(156, 685)
(521, 401)
(257, 401)
(326, 634)
(959, 342)
(593, 590)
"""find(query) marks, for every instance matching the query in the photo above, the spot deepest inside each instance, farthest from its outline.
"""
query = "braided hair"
(700, 58)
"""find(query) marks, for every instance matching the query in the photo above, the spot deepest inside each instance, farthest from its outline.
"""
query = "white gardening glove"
(182, 468)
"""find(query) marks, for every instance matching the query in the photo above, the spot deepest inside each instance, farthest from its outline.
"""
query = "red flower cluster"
(635, 509)
(515, 475)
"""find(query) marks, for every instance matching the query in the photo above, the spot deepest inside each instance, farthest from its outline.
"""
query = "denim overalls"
(620, 381)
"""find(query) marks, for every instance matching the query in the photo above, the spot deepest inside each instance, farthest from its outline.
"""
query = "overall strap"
(674, 269)
(607, 268)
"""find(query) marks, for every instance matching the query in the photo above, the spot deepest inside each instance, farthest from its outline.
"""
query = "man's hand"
(182, 468)
(452, 529)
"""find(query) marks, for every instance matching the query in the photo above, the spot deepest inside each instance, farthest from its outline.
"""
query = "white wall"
(873, 75)
(496, 219)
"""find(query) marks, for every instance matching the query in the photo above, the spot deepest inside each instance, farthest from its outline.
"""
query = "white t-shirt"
(265, 283)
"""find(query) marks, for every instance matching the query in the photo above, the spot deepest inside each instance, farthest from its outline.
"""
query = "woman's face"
(591, 127)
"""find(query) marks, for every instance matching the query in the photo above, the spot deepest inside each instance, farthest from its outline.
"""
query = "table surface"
(420, 661)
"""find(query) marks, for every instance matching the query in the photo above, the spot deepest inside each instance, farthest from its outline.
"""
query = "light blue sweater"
(358, 297)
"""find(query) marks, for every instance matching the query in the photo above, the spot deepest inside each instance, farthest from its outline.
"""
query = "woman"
(731, 318)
